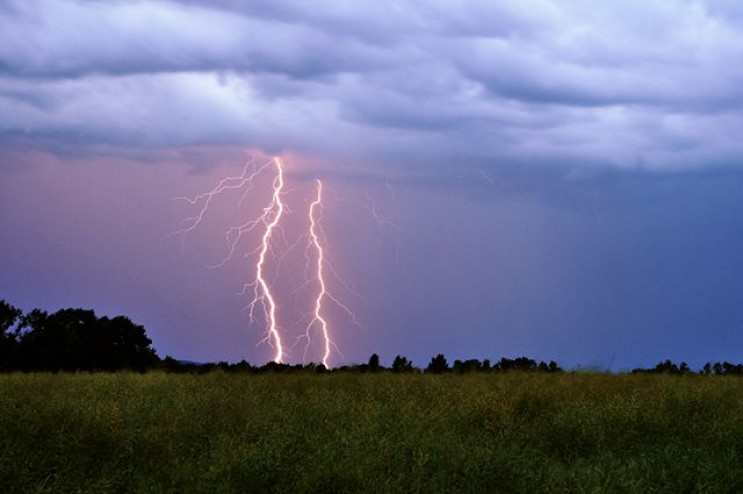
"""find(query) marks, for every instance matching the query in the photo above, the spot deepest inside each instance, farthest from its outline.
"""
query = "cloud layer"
(649, 84)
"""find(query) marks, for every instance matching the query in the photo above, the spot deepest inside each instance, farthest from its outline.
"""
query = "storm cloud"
(637, 84)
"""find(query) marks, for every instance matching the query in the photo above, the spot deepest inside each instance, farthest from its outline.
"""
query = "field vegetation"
(373, 432)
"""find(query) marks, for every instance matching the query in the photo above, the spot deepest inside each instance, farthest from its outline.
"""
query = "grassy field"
(370, 433)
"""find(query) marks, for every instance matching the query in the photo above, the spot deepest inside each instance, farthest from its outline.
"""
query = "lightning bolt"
(270, 217)
(261, 291)
(315, 241)
(318, 244)
(203, 201)
(274, 246)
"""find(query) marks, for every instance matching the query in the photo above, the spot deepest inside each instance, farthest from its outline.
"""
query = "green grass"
(370, 433)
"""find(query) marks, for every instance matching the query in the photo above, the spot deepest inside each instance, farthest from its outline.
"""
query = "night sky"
(561, 180)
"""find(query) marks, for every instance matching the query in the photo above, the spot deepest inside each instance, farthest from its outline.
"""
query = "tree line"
(78, 340)
(400, 365)
(71, 340)
(710, 368)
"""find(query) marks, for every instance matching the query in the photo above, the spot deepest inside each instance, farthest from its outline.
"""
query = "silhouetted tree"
(520, 364)
(9, 315)
(62, 341)
(438, 365)
(732, 369)
(243, 366)
(717, 368)
(401, 364)
(667, 367)
(123, 345)
(373, 365)
(75, 339)
(470, 365)
(275, 367)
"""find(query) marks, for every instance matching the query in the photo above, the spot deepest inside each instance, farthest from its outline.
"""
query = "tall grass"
(510, 432)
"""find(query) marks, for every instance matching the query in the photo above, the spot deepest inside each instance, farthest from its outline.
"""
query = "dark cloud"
(73, 39)
(646, 84)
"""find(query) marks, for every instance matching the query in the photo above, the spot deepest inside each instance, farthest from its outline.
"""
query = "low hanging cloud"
(632, 84)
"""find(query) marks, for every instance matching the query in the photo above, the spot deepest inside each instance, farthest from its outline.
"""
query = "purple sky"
(565, 181)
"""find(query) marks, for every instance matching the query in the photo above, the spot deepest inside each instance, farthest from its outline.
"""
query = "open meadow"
(510, 432)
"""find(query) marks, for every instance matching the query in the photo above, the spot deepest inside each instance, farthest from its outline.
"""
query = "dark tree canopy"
(72, 339)
(668, 367)
(402, 364)
(469, 365)
(9, 315)
(438, 365)
(374, 363)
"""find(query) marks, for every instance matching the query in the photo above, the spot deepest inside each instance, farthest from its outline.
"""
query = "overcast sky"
(556, 179)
